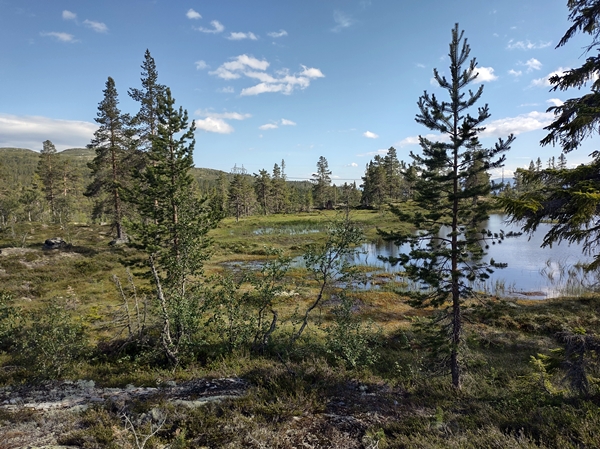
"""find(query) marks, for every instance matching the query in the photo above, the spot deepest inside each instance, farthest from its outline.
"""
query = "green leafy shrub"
(51, 343)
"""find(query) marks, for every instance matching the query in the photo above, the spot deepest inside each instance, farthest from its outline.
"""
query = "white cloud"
(533, 64)
(497, 128)
(62, 37)
(517, 125)
(240, 36)
(370, 135)
(527, 45)
(214, 122)
(419, 65)
(217, 28)
(545, 81)
(268, 126)
(341, 21)
(353, 164)
(276, 34)
(214, 125)
(226, 90)
(31, 131)
(68, 15)
(311, 72)
(98, 27)
(555, 102)
(286, 122)
(414, 140)
(191, 14)
(253, 68)
(244, 61)
(485, 74)
(516, 73)
(201, 65)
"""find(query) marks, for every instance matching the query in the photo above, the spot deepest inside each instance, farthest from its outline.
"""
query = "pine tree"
(49, 174)
(279, 190)
(445, 252)
(321, 183)
(174, 226)
(149, 97)
(111, 168)
(262, 187)
(392, 166)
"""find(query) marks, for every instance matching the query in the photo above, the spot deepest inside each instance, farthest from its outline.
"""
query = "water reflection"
(532, 271)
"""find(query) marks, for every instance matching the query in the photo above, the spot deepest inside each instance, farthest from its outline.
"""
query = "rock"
(54, 243)
(121, 241)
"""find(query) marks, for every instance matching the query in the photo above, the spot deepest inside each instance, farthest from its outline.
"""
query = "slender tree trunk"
(167, 341)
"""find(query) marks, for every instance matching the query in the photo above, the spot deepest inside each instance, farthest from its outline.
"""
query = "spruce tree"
(111, 168)
(445, 252)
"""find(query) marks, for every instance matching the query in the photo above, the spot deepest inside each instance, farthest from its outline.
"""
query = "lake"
(532, 271)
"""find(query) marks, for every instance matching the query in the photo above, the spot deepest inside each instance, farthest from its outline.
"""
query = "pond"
(532, 271)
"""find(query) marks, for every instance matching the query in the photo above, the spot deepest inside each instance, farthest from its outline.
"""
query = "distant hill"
(18, 166)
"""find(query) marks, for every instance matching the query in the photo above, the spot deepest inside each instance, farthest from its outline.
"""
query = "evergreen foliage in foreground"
(445, 252)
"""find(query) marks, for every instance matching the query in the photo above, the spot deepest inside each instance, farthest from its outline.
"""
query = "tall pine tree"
(174, 226)
(49, 174)
(111, 169)
(445, 251)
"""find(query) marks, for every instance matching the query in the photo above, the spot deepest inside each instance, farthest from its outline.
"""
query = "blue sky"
(268, 80)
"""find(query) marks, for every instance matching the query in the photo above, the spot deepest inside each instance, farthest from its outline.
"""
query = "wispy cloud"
(250, 67)
(201, 65)
(31, 131)
(268, 126)
(414, 140)
(485, 74)
(341, 20)
(518, 125)
(370, 135)
(60, 36)
(98, 27)
(533, 64)
(215, 122)
(68, 15)
(276, 34)
(545, 81)
(515, 73)
(527, 45)
(240, 36)
(226, 90)
(191, 14)
(500, 128)
(217, 27)
(286, 122)
(352, 164)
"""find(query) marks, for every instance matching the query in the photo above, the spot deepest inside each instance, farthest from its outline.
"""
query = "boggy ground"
(514, 395)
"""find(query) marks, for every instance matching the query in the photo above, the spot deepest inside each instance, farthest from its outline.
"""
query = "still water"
(532, 271)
